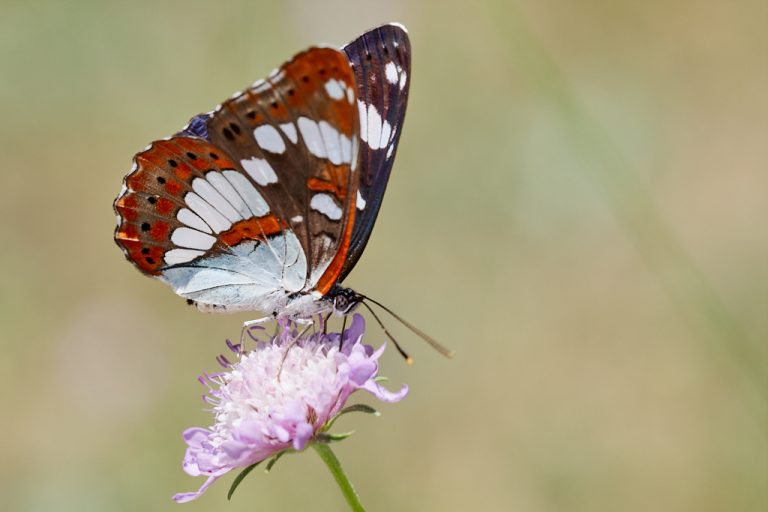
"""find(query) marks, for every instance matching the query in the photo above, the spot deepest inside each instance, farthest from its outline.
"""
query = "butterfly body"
(267, 202)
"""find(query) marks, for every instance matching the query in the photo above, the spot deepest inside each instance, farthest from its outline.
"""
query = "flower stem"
(325, 452)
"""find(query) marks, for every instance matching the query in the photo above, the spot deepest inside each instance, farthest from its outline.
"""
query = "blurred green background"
(578, 208)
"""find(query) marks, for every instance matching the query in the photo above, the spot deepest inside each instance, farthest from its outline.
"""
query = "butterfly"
(267, 202)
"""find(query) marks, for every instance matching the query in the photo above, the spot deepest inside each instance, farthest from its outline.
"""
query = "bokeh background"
(578, 208)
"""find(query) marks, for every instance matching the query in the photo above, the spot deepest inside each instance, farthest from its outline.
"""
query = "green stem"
(325, 452)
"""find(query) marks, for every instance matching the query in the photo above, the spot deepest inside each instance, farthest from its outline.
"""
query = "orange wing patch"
(253, 229)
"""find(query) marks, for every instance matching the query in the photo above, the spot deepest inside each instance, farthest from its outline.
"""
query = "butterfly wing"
(252, 203)
(381, 60)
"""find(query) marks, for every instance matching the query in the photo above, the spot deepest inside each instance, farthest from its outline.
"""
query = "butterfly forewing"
(295, 137)
(381, 60)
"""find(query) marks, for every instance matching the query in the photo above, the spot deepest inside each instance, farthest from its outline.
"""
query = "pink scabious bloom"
(278, 397)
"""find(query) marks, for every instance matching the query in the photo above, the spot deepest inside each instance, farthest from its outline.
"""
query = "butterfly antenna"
(418, 332)
(408, 359)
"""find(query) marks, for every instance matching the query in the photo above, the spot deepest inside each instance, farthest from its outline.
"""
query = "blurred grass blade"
(239, 478)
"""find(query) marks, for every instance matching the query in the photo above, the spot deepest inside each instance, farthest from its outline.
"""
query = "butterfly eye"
(341, 303)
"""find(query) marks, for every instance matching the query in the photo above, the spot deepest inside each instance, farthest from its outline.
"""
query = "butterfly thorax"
(339, 300)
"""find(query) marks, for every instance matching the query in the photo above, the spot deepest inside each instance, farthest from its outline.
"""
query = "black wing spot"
(145, 226)
(228, 134)
(190, 302)
(160, 180)
(172, 163)
(145, 250)
(321, 71)
(191, 155)
(291, 92)
(251, 114)
(305, 79)
(274, 104)
(149, 260)
(152, 199)
(386, 51)
(214, 156)
(234, 128)
(368, 56)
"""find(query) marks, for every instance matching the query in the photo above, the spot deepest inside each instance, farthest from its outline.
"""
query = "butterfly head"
(343, 300)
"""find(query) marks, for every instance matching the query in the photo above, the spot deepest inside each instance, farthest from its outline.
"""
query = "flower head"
(280, 396)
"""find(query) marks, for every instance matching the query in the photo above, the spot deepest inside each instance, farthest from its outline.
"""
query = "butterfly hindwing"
(253, 202)
(162, 220)
(381, 60)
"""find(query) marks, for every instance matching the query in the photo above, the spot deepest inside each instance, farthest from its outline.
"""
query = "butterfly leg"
(324, 321)
(341, 335)
(249, 324)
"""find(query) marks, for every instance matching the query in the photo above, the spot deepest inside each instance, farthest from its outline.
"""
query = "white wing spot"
(326, 205)
(260, 170)
(192, 239)
(403, 79)
(374, 130)
(374, 127)
(386, 132)
(297, 219)
(248, 192)
(391, 72)
(390, 151)
(176, 256)
(289, 129)
(346, 149)
(335, 89)
(333, 142)
(363, 111)
(310, 131)
(215, 199)
(186, 216)
(208, 213)
(269, 139)
(225, 188)
(360, 203)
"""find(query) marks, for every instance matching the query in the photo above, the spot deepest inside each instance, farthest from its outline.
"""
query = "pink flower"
(280, 396)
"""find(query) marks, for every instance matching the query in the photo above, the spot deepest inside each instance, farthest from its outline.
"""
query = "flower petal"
(184, 497)
(195, 436)
(303, 434)
(383, 393)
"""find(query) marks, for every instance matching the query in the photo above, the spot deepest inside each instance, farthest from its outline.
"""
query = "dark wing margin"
(381, 61)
